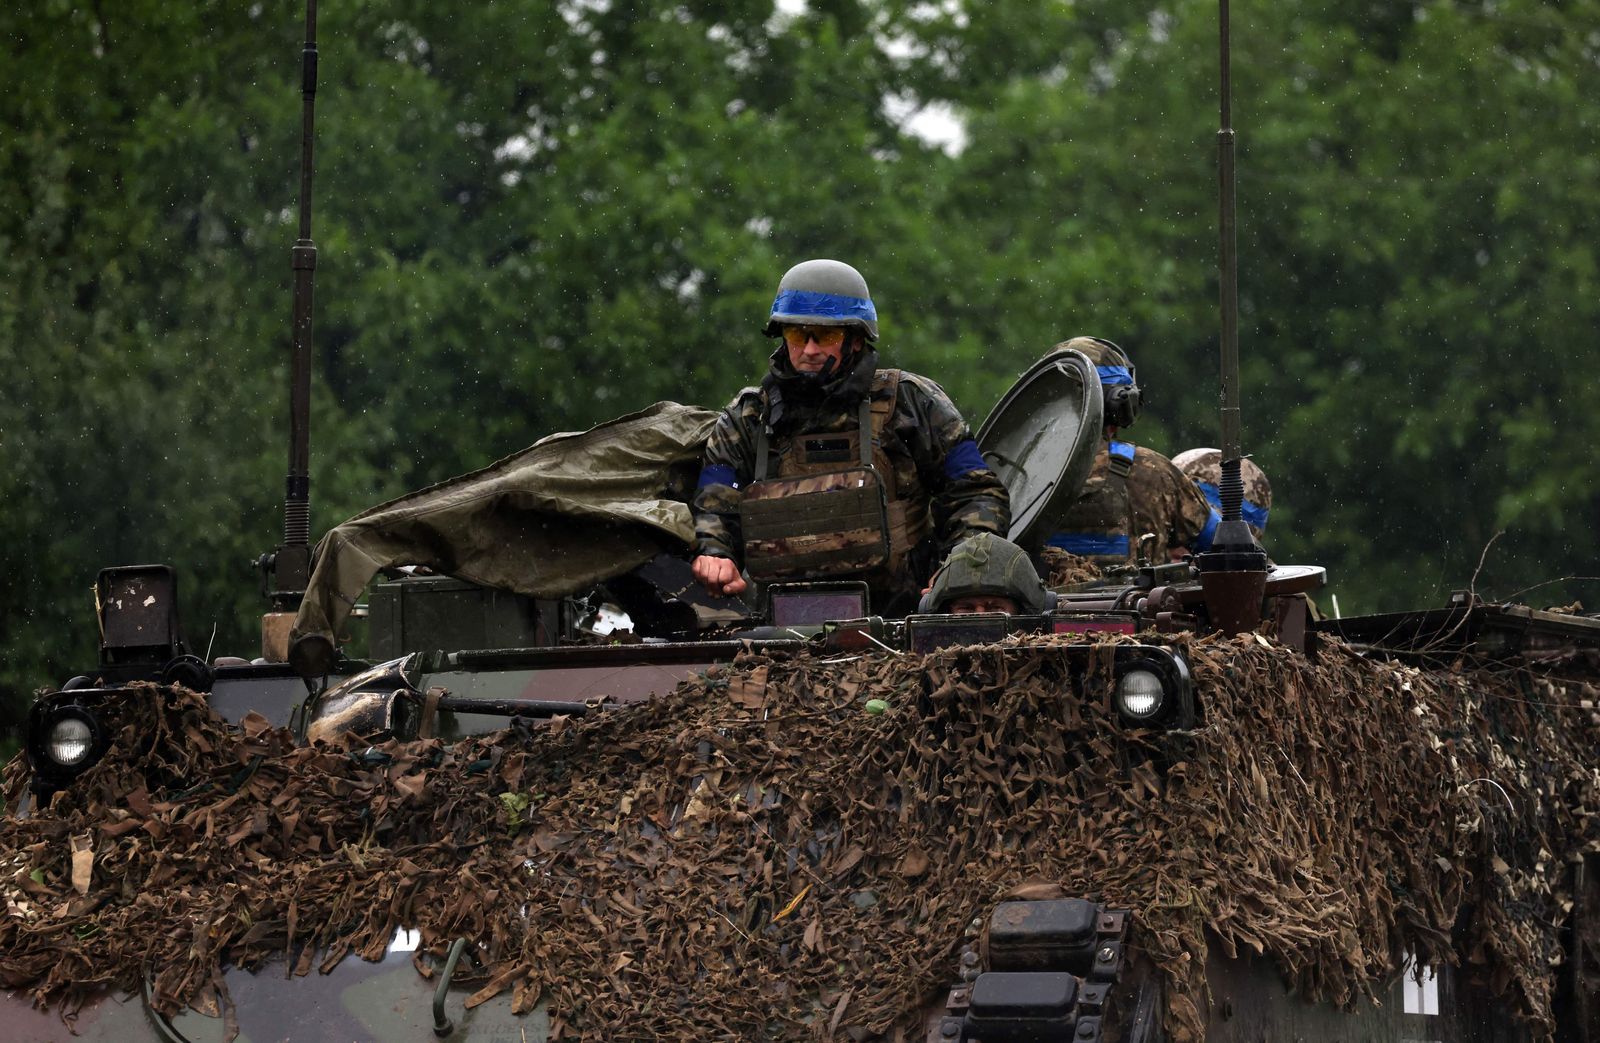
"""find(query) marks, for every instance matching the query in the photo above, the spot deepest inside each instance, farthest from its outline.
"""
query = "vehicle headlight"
(1140, 694)
(69, 741)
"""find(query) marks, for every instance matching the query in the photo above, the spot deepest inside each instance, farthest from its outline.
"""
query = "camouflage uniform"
(1156, 495)
(1204, 468)
(1128, 484)
(950, 493)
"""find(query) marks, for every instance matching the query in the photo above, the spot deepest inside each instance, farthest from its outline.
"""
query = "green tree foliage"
(534, 216)
(1417, 192)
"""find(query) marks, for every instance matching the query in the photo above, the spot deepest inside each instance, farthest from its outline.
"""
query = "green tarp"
(571, 510)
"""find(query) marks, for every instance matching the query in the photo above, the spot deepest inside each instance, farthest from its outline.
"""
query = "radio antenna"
(1233, 574)
(291, 565)
(1228, 267)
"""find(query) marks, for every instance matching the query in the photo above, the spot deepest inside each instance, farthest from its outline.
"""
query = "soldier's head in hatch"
(986, 573)
(1203, 467)
(972, 604)
(1119, 384)
(824, 313)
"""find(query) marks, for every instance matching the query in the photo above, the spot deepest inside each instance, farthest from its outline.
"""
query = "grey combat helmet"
(987, 564)
(823, 293)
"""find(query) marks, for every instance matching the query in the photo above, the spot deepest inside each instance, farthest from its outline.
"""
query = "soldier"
(1130, 491)
(987, 573)
(1203, 467)
(833, 466)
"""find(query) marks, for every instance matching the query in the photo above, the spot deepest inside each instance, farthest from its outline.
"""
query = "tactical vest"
(1099, 525)
(838, 505)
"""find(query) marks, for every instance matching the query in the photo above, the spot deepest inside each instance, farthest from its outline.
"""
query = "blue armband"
(1202, 542)
(1090, 544)
(717, 474)
(963, 458)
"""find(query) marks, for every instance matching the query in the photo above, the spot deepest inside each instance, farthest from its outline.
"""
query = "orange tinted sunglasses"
(827, 337)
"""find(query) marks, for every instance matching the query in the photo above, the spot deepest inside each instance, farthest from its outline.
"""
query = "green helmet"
(987, 564)
(823, 293)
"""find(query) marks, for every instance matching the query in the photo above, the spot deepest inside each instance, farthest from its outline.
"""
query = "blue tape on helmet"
(717, 474)
(1114, 374)
(963, 458)
(1125, 450)
(1253, 513)
(807, 304)
(1090, 544)
(1202, 542)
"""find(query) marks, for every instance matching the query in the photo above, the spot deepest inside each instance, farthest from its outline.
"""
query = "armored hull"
(720, 836)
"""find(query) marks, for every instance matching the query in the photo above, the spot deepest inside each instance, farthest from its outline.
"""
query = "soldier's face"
(974, 603)
(811, 347)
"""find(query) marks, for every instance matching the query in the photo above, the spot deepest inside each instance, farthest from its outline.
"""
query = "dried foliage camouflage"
(756, 856)
(1063, 569)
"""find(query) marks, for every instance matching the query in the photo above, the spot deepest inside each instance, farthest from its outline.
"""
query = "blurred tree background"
(537, 215)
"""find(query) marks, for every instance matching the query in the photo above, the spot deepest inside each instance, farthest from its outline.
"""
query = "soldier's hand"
(718, 575)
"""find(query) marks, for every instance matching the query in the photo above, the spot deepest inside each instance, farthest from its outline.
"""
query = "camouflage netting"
(1065, 570)
(757, 856)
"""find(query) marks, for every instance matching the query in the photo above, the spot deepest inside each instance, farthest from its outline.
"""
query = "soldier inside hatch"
(1131, 491)
(833, 467)
(987, 573)
(1203, 467)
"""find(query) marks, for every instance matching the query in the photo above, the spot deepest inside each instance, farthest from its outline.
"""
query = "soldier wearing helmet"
(1130, 490)
(987, 573)
(833, 466)
(1203, 467)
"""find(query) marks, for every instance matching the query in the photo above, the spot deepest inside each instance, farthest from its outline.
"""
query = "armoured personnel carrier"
(538, 818)
(1175, 805)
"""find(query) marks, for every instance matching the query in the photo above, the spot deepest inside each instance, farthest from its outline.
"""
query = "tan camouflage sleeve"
(725, 469)
(967, 497)
(1177, 509)
(1193, 514)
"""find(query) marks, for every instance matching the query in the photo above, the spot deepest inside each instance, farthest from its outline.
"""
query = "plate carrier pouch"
(818, 518)
(1111, 511)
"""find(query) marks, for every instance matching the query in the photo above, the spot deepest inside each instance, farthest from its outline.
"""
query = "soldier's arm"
(1193, 520)
(725, 470)
(967, 496)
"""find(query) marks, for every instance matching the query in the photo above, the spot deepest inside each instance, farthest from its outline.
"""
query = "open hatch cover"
(1041, 440)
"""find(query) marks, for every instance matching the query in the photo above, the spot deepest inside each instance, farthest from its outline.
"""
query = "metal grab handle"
(442, 1025)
